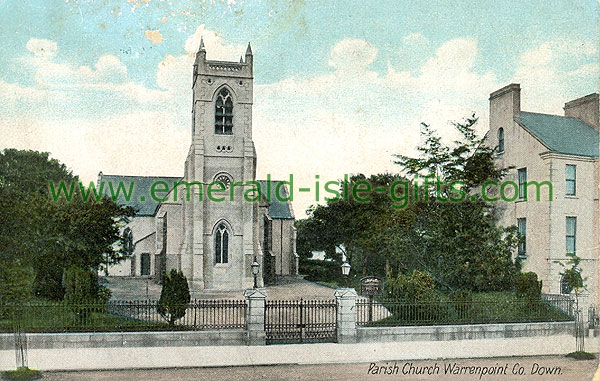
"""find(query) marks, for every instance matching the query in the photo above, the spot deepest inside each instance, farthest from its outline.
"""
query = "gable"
(562, 134)
(277, 209)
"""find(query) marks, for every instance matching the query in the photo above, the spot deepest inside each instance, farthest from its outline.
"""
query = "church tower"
(220, 235)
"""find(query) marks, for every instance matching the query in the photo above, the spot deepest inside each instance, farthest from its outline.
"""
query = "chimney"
(585, 109)
(507, 102)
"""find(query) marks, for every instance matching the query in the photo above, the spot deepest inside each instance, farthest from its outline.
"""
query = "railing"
(138, 315)
(300, 321)
(563, 302)
(386, 312)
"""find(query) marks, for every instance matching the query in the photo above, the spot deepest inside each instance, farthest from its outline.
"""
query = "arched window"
(221, 244)
(564, 286)
(501, 139)
(224, 113)
(127, 242)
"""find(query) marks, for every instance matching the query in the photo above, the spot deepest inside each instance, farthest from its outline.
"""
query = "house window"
(221, 244)
(224, 113)
(571, 235)
(522, 173)
(564, 286)
(501, 139)
(571, 177)
(522, 225)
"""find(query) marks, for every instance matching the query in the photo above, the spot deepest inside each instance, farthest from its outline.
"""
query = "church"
(213, 243)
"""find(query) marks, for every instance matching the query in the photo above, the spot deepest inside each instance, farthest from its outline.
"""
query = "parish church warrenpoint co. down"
(213, 243)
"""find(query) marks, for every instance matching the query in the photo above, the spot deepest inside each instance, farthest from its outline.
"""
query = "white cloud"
(352, 119)
(42, 48)
(217, 48)
(352, 55)
(546, 84)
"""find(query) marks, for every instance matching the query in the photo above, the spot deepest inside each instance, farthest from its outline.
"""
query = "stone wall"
(462, 332)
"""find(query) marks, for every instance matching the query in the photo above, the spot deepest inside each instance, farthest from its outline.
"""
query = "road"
(511, 368)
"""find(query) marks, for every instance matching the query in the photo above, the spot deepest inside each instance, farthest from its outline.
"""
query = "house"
(562, 150)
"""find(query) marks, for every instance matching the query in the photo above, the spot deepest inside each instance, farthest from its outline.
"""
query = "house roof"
(562, 134)
(139, 198)
(277, 209)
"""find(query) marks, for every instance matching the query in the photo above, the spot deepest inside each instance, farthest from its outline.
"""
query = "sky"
(340, 86)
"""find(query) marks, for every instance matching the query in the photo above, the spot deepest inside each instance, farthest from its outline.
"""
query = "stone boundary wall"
(462, 332)
(127, 339)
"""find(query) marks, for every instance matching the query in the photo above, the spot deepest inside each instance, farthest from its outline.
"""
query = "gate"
(300, 321)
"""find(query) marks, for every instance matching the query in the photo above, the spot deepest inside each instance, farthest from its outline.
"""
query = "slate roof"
(277, 209)
(562, 134)
(145, 205)
(140, 199)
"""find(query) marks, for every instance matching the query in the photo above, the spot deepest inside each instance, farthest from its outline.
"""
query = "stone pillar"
(346, 315)
(255, 315)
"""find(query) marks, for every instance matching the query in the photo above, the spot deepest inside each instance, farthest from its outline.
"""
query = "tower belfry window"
(224, 113)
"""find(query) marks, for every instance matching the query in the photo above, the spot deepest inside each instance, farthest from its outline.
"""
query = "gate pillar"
(346, 315)
(255, 316)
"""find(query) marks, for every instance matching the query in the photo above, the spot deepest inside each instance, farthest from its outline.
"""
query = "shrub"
(416, 286)
(16, 282)
(104, 294)
(81, 286)
(527, 286)
(174, 296)
(81, 290)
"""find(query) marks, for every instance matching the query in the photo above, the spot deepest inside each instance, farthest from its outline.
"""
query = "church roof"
(562, 134)
(144, 205)
(277, 209)
(139, 198)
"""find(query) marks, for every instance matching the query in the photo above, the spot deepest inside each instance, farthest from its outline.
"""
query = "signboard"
(371, 285)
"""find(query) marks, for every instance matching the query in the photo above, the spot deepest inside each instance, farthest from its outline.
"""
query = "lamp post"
(255, 269)
(345, 271)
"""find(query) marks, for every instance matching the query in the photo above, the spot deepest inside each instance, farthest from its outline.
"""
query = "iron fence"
(300, 321)
(386, 312)
(134, 315)
(564, 303)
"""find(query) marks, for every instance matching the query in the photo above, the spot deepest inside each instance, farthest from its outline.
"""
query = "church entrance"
(300, 321)
(145, 264)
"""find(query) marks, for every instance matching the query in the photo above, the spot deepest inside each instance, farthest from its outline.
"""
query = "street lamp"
(346, 270)
(255, 269)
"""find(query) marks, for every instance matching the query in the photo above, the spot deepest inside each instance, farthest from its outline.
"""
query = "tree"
(458, 242)
(174, 296)
(572, 276)
(52, 234)
(358, 229)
